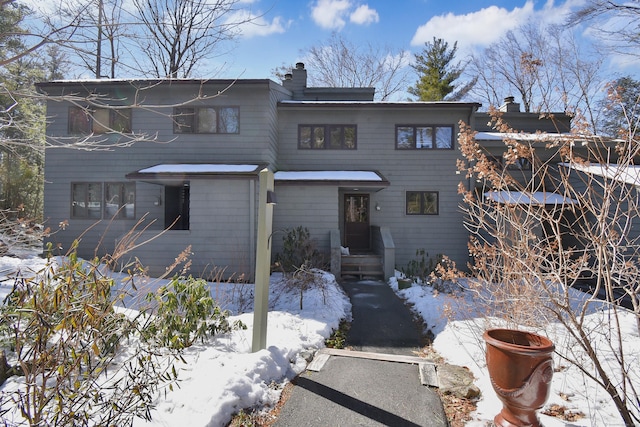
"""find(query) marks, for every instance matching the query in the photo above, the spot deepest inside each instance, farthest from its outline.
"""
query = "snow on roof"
(500, 136)
(327, 176)
(188, 168)
(537, 198)
(197, 170)
(629, 174)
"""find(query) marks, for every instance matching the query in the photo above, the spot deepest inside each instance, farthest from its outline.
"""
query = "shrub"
(185, 312)
(338, 337)
(421, 267)
(300, 261)
(65, 331)
(298, 250)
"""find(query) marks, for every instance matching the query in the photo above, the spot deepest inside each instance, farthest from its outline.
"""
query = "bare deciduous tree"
(538, 237)
(31, 38)
(177, 35)
(616, 22)
(341, 63)
(99, 33)
(546, 67)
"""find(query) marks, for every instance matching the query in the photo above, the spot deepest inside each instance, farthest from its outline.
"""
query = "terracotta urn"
(520, 366)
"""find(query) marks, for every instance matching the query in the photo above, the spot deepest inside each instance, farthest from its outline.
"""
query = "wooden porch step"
(361, 265)
(362, 273)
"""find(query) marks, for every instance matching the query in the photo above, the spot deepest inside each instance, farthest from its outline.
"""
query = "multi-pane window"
(422, 203)
(85, 121)
(333, 137)
(86, 200)
(206, 120)
(96, 200)
(119, 199)
(410, 137)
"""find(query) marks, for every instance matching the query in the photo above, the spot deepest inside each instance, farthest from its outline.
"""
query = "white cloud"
(364, 15)
(476, 29)
(330, 14)
(333, 14)
(256, 25)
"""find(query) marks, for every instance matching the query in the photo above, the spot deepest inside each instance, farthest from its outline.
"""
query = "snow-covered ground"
(458, 339)
(223, 376)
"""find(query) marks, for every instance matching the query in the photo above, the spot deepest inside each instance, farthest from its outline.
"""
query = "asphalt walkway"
(378, 383)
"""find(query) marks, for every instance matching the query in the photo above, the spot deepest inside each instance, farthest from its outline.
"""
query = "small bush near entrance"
(300, 261)
(422, 266)
(299, 249)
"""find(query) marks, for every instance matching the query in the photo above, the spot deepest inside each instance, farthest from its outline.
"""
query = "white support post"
(263, 263)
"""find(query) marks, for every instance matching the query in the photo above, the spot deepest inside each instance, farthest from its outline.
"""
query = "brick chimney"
(510, 106)
(296, 81)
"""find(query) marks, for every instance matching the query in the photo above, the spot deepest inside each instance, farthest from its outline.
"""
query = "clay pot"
(520, 367)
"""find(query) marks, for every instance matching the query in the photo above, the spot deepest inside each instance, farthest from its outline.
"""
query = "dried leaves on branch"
(538, 235)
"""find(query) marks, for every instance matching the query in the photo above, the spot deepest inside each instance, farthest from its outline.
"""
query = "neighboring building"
(371, 176)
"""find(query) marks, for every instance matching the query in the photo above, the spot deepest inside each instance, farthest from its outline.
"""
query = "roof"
(150, 81)
(521, 136)
(538, 198)
(629, 174)
(382, 104)
(366, 179)
(184, 171)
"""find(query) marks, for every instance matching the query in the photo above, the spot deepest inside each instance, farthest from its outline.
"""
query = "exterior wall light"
(271, 197)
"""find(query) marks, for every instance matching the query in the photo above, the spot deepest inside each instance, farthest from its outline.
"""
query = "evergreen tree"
(437, 73)
(22, 121)
(622, 108)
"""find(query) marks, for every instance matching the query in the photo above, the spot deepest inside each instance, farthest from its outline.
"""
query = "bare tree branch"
(340, 63)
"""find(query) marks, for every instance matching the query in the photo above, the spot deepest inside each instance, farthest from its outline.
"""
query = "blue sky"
(282, 29)
(287, 26)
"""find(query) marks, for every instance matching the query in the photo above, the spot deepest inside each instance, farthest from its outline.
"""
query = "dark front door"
(176, 207)
(356, 222)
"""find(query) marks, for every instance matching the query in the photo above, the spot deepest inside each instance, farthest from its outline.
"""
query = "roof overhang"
(498, 139)
(352, 180)
(538, 198)
(180, 172)
(628, 174)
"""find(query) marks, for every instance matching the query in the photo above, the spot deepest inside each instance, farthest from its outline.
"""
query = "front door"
(356, 222)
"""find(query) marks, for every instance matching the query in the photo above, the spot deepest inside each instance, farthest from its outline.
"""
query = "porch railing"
(381, 243)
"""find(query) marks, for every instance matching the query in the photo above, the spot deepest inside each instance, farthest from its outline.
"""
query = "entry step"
(426, 369)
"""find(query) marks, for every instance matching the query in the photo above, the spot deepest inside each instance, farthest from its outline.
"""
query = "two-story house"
(178, 161)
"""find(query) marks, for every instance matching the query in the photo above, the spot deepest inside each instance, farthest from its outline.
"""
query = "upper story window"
(96, 200)
(422, 203)
(410, 137)
(85, 121)
(206, 120)
(332, 137)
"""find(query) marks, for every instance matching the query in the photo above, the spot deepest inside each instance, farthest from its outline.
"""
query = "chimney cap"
(288, 76)
(510, 106)
(300, 65)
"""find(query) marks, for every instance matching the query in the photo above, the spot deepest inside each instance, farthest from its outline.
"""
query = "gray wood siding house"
(353, 171)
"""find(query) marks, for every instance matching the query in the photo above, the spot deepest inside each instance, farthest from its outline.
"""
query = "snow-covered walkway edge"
(458, 339)
(222, 376)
